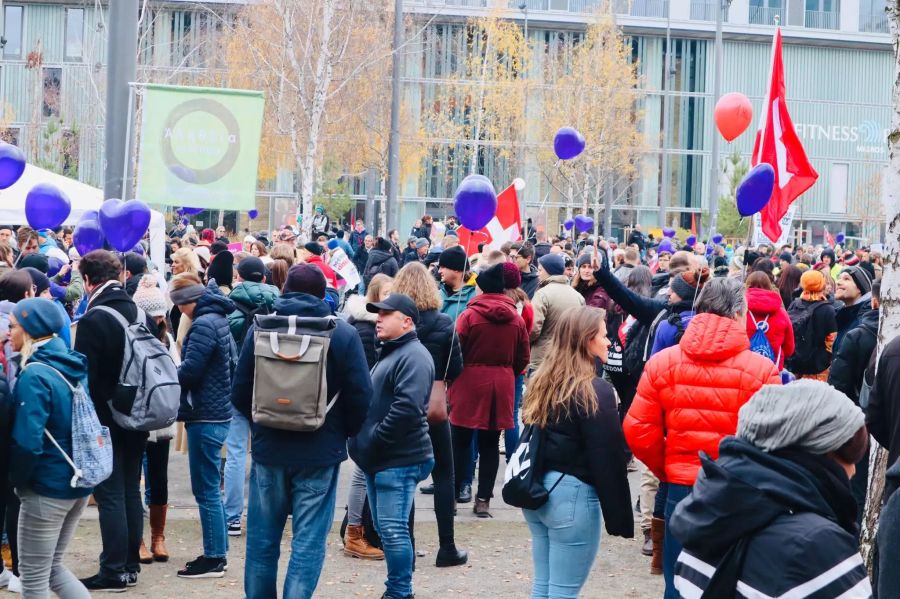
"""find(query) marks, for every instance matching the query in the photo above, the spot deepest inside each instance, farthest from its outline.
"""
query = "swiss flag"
(505, 226)
(777, 144)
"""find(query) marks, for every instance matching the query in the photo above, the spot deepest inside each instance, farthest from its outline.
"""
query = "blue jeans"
(391, 495)
(308, 495)
(565, 537)
(205, 440)
(236, 465)
(671, 546)
(511, 435)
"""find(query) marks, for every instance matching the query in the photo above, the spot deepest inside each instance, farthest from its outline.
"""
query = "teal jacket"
(248, 296)
(454, 303)
(43, 400)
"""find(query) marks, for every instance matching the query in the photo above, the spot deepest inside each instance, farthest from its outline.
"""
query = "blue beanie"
(554, 264)
(39, 317)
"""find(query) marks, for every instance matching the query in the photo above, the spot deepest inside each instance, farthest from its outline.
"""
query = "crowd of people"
(741, 383)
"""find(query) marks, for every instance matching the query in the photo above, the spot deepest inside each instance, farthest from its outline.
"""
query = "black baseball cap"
(396, 302)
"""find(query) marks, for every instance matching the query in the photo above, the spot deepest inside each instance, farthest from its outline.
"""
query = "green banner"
(199, 147)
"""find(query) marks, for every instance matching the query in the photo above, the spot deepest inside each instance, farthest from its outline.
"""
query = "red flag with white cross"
(505, 226)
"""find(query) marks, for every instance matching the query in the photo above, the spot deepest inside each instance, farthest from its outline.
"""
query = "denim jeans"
(511, 435)
(565, 537)
(308, 494)
(236, 445)
(391, 495)
(205, 440)
(671, 546)
(46, 526)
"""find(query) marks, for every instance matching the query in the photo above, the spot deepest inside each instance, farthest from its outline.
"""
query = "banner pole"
(126, 192)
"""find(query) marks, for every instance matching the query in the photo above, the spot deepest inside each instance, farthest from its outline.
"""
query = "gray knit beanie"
(808, 415)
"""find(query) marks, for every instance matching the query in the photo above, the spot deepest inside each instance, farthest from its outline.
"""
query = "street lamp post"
(721, 7)
(523, 6)
(393, 187)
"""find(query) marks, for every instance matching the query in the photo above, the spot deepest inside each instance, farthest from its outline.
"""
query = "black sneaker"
(427, 489)
(234, 528)
(204, 567)
(465, 494)
(99, 584)
(131, 579)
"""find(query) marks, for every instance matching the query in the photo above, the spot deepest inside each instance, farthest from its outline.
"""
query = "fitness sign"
(199, 147)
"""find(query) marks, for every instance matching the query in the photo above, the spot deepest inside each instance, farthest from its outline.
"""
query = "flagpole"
(721, 5)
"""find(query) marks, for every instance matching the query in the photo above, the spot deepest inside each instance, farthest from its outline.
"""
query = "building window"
(873, 16)
(837, 188)
(12, 31)
(74, 34)
(52, 88)
(764, 12)
(822, 14)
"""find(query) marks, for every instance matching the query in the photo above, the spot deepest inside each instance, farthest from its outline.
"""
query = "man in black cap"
(393, 448)
(455, 292)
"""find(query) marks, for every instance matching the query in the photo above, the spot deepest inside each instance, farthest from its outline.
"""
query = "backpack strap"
(117, 315)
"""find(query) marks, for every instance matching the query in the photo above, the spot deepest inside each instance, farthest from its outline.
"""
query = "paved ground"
(499, 566)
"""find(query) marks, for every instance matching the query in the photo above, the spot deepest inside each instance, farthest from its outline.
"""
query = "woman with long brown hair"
(583, 456)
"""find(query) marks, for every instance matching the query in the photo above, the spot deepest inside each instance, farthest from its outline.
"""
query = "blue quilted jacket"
(206, 361)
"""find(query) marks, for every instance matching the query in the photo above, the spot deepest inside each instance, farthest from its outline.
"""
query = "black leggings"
(488, 455)
(158, 472)
(442, 475)
(9, 508)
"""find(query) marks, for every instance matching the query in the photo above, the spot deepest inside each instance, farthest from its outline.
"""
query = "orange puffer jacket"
(689, 395)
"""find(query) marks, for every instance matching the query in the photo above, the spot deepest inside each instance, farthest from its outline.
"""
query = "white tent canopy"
(83, 197)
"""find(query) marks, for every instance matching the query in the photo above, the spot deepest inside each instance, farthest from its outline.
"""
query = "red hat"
(512, 277)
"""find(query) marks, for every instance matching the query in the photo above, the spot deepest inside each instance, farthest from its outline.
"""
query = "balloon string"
(455, 338)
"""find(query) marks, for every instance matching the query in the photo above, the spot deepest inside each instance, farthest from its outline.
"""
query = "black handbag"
(523, 484)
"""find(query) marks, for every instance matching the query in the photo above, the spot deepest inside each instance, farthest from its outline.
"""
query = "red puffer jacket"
(494, 343)
(763, 304)
(689, 395)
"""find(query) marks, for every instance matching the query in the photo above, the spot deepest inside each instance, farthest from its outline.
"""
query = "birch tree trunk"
(890, 291)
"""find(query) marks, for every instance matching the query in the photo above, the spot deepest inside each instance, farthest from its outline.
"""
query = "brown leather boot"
(356, 545)
(158, 532)
(144, 556)
(657, 534)
(482, 508)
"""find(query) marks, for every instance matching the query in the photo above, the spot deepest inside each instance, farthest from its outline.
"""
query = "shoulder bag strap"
(115, 314)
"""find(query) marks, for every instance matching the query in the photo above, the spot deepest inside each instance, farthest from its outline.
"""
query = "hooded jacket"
(852, 358)
(207, 359)
(494, 343)
(886, 576)
(594, 295)
(689, 396)
(380, 262)
(364, 322)
(785, 512)
(455, 302)
(247, 297)
(435, 332)
(554, 297)
(43, 400)
(326, 270)
(395, 430)
(530, 281)
(765, 305)
(849, 316)
(346, 372)
(883, 411)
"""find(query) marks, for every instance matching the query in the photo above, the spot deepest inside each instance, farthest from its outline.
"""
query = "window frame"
(66, 56)
(6, 53)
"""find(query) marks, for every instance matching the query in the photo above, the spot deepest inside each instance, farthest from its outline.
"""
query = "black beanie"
(305, 278)
(860, 278)
(453, 258)
(221, 268)
(313, 248)
(36, 261)
(492, 279)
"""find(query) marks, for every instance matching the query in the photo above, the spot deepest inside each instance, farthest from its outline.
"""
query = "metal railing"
(822, 19)
(766, 15)
(877, 23)
(703, 10)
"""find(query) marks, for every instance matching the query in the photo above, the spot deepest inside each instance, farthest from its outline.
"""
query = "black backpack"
(249, 315)
(810, 356)
(633, 357)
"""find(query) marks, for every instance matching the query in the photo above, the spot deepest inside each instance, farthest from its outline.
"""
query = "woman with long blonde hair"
(435, 332)
(583, 456)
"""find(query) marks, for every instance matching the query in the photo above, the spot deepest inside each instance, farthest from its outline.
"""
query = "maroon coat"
(495, 346)
(594, 295)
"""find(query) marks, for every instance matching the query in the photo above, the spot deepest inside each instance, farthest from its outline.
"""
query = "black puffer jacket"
(207, 361)
(787, 512)
(435, 331)
(380, 262)
(883, 412)
(364, 323)
(852, 358)
(848, 317)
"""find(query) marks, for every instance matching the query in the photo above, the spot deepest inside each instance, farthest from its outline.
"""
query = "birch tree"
(890, 289)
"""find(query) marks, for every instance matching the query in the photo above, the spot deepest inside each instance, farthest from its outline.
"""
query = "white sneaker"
(13, 584)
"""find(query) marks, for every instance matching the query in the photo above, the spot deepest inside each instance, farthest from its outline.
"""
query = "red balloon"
(733, 115)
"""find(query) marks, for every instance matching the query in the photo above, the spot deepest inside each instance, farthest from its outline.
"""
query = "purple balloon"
(193, 210)
(665, 246)
(755, 190)
(669, 232)
(90, 215)
(124, 223)
(46, 206)
(568, 224)
(717, 238)
(185, 220)
(88, 236)
(691, 240)
(12, 164)
(568, 143)
(253, 214)
(475, 202)
(584, 223)
(839, 238)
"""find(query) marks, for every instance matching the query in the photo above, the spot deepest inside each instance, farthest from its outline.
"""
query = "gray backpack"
(148, 395)
(290, 390)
